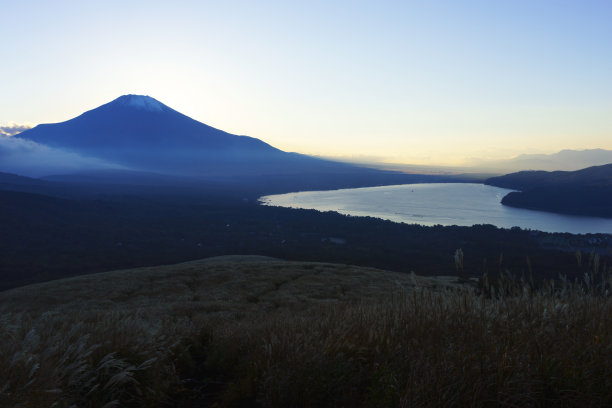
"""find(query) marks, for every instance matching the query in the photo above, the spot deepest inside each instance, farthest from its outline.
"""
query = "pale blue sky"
(413, 82)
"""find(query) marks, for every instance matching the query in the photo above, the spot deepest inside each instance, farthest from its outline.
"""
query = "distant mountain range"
(566, 160)
(583, 192)
(479, 169)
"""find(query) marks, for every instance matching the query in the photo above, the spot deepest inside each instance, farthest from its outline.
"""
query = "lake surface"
(464, 204)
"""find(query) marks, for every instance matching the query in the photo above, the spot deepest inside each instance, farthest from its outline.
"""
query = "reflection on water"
(442, 203)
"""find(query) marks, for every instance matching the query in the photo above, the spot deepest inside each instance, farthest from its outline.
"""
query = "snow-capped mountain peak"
(142, 102)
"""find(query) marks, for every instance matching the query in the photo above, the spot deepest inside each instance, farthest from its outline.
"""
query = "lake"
(464, 204)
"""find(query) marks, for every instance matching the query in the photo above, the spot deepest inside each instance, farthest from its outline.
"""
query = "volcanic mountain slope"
(141, 133)
(14, 179)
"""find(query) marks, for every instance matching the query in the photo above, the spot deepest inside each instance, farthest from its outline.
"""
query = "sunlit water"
(463, 204)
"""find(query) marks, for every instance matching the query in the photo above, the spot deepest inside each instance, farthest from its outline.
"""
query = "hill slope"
(256, 331)
(582, 192)
(226, 285)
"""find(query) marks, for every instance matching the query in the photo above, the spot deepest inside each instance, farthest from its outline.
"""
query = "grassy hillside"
(255, 331)
(583, 192)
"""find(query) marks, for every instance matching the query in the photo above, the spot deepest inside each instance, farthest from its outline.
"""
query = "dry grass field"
(255, 331)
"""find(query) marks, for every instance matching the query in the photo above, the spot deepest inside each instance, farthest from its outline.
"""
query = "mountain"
(583, 192)
(136, 139)
(138, 132)
(566, 160)
(141, 133)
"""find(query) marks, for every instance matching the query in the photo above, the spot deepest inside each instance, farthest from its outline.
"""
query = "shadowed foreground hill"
(224, 285)
(256, 331)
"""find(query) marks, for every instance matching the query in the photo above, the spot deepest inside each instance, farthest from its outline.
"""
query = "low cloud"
(12, 128)
(27, 158)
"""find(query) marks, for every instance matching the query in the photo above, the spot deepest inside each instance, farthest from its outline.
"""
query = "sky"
(420, 82)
